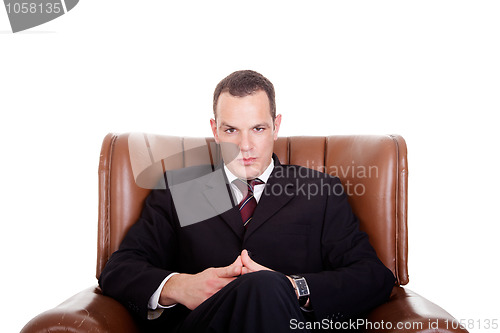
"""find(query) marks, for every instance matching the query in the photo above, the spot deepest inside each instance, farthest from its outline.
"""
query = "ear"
(277, 123)
(213, 124)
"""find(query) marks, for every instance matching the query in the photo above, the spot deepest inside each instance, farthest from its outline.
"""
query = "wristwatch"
(302, 289)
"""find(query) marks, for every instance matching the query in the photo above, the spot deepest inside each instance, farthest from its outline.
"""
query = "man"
(273, 257)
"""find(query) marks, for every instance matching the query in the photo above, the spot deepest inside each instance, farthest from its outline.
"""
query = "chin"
(246, 172)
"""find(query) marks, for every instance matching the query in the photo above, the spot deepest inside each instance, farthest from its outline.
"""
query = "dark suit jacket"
(302, 225)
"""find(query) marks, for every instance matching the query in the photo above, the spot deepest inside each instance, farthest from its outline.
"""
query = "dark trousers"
(262, 301)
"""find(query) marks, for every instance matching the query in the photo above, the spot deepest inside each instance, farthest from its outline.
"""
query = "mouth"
(247, 161)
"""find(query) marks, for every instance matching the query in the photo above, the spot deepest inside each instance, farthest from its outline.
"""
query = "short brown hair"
(244, 83)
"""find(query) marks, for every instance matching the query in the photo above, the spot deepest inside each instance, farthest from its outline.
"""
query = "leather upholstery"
(374, 173)
(87, 311)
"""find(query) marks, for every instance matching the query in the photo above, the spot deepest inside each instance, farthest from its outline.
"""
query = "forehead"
(254, 106)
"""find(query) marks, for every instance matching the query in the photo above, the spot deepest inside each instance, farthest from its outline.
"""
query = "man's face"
(245, 129)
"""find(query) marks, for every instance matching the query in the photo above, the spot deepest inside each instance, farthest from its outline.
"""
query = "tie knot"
(253, 182)
(245, 185)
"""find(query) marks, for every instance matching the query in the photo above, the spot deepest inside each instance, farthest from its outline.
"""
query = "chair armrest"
(412, 313)
(87, 311)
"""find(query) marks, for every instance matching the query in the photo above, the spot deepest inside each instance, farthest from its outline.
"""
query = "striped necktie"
(248, 204)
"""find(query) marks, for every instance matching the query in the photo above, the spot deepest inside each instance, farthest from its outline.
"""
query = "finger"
(237, 261)
(248, 262)
(238, 265)
(245, 257)
(230, 271)
(251, 265)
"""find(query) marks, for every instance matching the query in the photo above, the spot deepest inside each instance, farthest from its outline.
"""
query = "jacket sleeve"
(353, 279)
(146, 256)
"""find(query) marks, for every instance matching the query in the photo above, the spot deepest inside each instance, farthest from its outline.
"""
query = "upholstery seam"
(396, 194)
(105, 229)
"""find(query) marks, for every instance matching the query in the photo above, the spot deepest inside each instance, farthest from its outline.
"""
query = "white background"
(428, 70)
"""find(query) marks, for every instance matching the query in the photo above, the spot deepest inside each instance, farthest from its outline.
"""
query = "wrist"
(170, 290)
(293, 285)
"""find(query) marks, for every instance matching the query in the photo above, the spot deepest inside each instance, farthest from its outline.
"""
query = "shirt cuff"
(155, 308)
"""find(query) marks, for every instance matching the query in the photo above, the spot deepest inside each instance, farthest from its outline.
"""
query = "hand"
(251, 266)
(193, 289)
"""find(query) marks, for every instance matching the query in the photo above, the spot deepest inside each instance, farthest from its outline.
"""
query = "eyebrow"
(223, 124)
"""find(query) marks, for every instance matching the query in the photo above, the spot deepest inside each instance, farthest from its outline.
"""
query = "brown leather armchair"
(373, 169)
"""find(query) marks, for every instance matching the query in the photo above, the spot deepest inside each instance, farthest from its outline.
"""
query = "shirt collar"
(264, 176)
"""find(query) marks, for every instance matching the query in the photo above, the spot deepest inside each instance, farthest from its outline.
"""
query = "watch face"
(302, 288)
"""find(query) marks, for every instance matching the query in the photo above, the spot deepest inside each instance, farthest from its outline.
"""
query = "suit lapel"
(278, 192)
(217, 193)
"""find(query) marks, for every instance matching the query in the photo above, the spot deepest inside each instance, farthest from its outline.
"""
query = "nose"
(245, 142)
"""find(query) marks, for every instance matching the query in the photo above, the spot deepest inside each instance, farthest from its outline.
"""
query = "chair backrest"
(373, 169)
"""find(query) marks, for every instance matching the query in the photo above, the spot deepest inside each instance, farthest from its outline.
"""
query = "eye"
(230, 130)
(258, 129)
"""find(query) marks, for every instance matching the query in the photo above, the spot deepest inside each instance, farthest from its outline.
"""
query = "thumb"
(232, 270)
(248, 262)
(249, 265)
